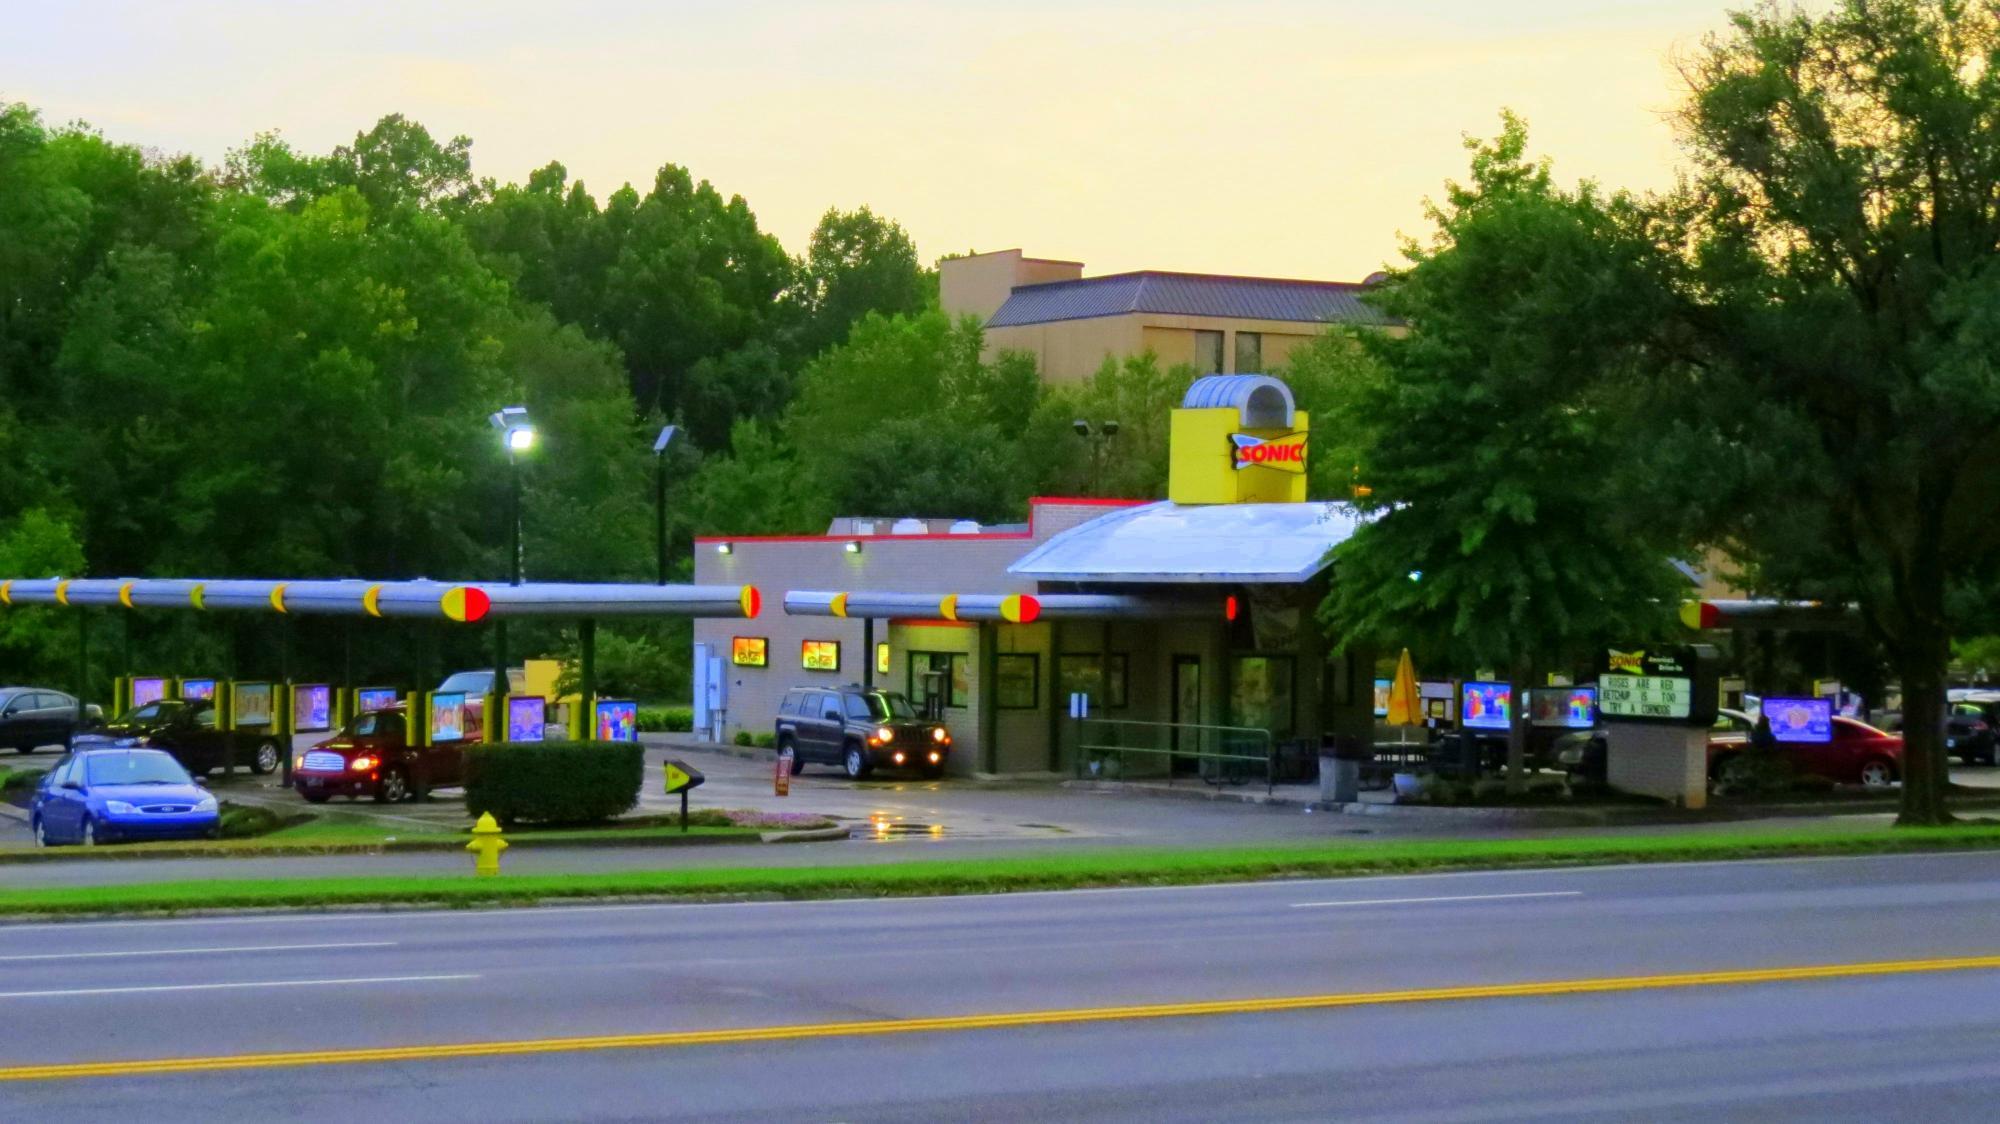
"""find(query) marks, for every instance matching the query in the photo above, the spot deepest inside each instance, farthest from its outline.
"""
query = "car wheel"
(315, 797)
(394, 788)
(266, 760)
(1877, 773)
(41, 833)
(855, 761)
(1727, 768)
(89, 832)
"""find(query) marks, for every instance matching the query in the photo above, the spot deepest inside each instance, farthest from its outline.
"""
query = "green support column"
(82, 660)
(281, 709)
(1058, 708)
(586, 635)
(989, 713)
(868, 652)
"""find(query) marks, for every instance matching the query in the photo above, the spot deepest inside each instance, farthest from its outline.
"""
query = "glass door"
(1186, 709)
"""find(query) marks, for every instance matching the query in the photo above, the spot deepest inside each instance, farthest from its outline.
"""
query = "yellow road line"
(668, 1039)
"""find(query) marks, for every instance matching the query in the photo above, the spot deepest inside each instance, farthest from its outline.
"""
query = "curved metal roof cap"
(1262, 401)
(1276, 543)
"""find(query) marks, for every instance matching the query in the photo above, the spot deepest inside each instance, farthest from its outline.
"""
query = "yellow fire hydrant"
(486, 846)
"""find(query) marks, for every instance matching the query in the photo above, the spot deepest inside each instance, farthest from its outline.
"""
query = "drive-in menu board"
(1670, 685)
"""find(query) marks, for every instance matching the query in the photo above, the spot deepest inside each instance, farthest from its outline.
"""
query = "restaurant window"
(1103, 678)
(1260, 694)
(820, 655)
(1208, 353)
(943, 674)
(1017, 679)
(1249, 353)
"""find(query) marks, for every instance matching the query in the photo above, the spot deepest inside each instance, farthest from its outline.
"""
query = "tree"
(1503, 529)
(856, 263)
(1836, 253)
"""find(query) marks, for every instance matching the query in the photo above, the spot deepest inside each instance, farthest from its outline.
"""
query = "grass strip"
(366, 839)
(989, 875)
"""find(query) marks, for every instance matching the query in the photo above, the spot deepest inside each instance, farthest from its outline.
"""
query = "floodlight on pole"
(660, 444)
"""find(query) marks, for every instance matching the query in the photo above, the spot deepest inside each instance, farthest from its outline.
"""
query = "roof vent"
(965, 527)
(864, 526)
(909, 527)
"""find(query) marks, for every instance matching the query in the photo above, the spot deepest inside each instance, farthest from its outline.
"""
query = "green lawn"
(1041, 872)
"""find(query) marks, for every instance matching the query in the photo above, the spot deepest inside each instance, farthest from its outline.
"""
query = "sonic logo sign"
(1286, 453)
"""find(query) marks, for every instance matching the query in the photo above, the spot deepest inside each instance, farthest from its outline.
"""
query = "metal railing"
(1225, 765)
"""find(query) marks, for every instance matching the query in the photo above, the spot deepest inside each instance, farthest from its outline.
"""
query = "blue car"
(104, 795)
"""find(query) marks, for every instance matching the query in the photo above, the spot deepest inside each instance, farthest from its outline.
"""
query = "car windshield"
(471, 682)
(885, 705)
(145, 767)
(140, 715)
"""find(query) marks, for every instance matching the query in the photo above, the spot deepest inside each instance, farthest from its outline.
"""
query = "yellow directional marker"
(125, 595)
(948, 608)
(681, 777)
(194, 596)
(371, 601)
(840, 604)
(486, 846)
(278, 597)
(62, 593)
(7, 592)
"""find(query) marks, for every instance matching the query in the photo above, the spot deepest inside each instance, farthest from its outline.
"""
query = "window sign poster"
(749, 651)
(148, 688)
(448, 716)
(1800, 721)
(1382, 697)
(820, 655)
(195, 690)
(374, 698)
(526, 717)
(1487, 706)
(617, 720)
(882, 658)
(312, 708)
(253, 704)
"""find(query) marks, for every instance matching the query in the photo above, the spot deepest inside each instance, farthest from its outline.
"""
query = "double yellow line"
(669, 1039)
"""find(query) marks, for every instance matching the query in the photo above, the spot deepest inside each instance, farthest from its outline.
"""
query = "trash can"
(1340, 770)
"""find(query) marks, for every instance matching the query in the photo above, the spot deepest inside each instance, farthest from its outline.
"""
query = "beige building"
(1071, 323)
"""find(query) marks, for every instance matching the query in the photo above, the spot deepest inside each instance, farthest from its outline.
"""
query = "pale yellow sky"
(1282, 138)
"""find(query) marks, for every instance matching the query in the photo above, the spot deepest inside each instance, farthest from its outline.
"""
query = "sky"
(1267, 137)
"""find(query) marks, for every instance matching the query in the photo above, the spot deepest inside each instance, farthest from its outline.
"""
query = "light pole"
(660, 496)
(1097, 435)
(517, 436)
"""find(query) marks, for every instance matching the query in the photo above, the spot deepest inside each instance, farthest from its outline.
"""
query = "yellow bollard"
(486, 846)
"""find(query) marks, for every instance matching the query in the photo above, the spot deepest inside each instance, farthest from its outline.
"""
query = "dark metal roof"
(1188, 294)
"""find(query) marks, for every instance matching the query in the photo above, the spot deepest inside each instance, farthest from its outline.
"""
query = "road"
(799, 1011)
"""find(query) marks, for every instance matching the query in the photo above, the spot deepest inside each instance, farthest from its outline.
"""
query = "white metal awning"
(1276, 543)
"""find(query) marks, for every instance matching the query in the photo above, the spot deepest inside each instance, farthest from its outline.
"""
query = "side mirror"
(73, 786)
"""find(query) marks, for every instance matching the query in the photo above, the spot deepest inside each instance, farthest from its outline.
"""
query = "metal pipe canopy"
(1013, 608)
(357, 597)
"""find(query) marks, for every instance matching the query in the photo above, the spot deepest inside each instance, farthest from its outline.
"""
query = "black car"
(32, 717)
(187, 730)
(861, 730)
(1971, 727)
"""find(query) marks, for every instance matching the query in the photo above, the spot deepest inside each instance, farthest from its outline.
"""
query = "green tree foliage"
(857, 263)
(1135, 392)
(1502, 525)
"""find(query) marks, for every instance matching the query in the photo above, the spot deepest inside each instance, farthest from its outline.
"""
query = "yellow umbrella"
(1404, 707)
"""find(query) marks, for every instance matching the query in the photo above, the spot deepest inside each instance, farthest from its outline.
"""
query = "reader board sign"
(312, 708)
(148, 688)
(196, 689)
(374, 698)
(1674, 686)
(1800, 721)
(253, 703)
(526, 717)
(1487, 706)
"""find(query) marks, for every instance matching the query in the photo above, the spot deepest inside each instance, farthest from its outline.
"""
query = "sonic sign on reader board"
(1676, 685)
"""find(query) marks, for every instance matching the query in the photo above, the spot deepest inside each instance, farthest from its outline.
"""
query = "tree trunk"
(1925, 776)
(1517, 729)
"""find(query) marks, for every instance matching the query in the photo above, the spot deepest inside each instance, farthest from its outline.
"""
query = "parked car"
(860, 730)
(372, 756)
(106, 795)
(32, 717)
(476, 685)
(1858, 754)
(187, 730)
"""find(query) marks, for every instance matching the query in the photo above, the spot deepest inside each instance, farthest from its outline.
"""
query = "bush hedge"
(554, 782)
(666, 719)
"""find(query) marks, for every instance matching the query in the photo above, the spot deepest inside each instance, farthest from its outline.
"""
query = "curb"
(816, 835)
(142, 852)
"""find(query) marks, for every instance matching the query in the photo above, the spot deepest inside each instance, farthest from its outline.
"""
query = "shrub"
(666, 719)
(765, 740)
(20, 780)
(245, 821)
(743, 737)
(554, 782)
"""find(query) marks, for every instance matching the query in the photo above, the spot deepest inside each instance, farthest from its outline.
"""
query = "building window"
(1249, 353)
(1103, 678)
(941, 676)
(1017, 681)
(1207, 353)
(820, 655)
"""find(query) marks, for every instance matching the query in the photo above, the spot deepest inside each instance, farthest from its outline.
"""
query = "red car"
(1858, 754)
(371, 756)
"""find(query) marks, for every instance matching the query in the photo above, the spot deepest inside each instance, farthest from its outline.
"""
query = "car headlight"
(362, 764)
(120, 808)
(206, 804)
(884, 734)
(938, 735)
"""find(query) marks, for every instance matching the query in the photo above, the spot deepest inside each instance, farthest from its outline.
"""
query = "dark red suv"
(372, 756)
